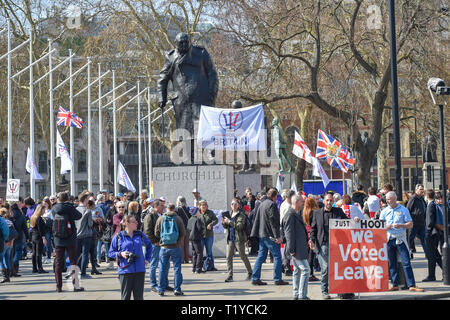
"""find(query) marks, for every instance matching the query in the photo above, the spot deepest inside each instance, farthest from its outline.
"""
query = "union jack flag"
(68, 119)
(334, 152)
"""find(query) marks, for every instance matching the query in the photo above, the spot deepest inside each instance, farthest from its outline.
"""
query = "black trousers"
(38, 248)
(132, 283)
(311, 256)
(433, 255)
(197, 255)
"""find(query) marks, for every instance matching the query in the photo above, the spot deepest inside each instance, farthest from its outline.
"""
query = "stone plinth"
(244, 180)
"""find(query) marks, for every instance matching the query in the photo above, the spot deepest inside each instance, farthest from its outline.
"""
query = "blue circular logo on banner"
(230, 120)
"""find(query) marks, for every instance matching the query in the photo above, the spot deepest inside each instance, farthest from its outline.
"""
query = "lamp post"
(438, 86)
(416, 175)
(395, 113)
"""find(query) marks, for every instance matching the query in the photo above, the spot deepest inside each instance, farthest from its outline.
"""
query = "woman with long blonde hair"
(38, 240)
(308, 210)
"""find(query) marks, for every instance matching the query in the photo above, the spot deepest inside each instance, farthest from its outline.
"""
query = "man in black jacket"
(20, 224)
(62, 208)
(267, 228)
(294, 231)
(432, 237)
(319, 237)
(417, 208)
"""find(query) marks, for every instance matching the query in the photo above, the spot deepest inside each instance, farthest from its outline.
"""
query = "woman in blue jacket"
(126, 248)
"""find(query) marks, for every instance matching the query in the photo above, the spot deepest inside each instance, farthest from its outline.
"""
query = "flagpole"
(116, 186)
(139, 136)
(9, 169)
(89, 147)
(150, 167)
(52, 122)
(72, 145)
(100, 131)
(32, 184)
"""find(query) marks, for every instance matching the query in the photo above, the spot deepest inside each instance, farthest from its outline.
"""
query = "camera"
(132, 257)
(438, 85)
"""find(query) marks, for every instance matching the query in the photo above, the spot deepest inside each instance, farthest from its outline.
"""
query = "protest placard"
(358, 260)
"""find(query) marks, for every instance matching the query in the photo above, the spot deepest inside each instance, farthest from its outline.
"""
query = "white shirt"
(373, 203)
(283, 209)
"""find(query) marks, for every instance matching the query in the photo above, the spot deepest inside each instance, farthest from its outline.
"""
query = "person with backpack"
(65, 239)
(209, 220)
(5, 264)
(170, 230)
(195, 233)
(126, 248)
(236, 225)
(4, 233)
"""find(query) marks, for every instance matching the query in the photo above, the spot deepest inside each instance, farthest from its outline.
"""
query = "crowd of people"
(133, 234)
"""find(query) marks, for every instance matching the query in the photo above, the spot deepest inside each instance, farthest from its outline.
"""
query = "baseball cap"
(104, 191)
(194, 190)
(162, 199)
(149, 200)
(120, 194)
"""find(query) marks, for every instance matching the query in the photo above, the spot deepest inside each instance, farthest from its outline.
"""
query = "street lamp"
(416, 175)
(438, 86)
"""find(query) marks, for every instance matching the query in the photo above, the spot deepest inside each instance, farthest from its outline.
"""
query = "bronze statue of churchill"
(194, 81)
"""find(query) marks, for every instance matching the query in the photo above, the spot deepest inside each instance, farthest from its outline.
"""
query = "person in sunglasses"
(236, 224)
(127, 249)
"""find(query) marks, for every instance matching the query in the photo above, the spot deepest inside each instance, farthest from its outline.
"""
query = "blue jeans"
(300, 277)
(4, 263)
(323, 260)
(266, 244)
(154, 260)
(84, 246)
(165, 255)
(48, 247)
(99, 250)
(403, 252)
(18, 245)
(207, 243)
(419, 232)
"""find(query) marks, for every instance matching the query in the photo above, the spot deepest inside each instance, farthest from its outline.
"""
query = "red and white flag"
(301, 150)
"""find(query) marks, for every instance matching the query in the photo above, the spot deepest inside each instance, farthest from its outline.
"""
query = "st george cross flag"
(123, 179)
(334, 152)
(63, 153)
(68, 119)
(319, 172)
(232, 129)
(301, 150)
(31, 167)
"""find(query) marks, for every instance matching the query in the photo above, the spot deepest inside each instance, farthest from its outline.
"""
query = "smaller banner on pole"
(13, 190)
(358, 260)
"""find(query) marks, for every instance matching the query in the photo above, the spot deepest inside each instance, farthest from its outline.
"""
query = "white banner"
(63, 153)
(12, 190)
(232, 129)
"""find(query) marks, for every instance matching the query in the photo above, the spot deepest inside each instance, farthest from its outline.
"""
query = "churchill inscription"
(214, 182)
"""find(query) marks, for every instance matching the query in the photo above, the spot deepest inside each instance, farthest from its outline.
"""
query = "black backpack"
(62, 227)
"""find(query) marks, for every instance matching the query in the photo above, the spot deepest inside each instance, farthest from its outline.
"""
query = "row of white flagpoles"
(31, 166)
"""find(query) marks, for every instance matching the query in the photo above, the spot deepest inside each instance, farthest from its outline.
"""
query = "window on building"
(43, 162)
(82, 162)
(391, 144)
(406, 179)
(392, 177)
(412, 146)
(42, 191)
